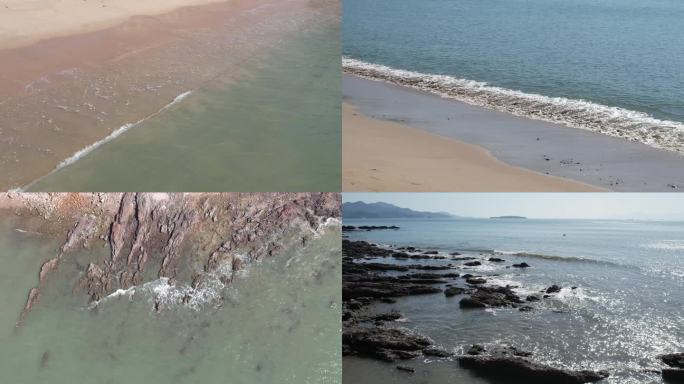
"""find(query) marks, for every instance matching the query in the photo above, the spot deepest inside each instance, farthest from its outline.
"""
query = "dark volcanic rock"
(358, 249)
(491, 297)
(400, 255)
(496, 260)
(475, 280)
(553, 289)
(673, 375)
(430, 253)
(675, 360)
(405, 368)
(472, 263)
(514, 369)
(453, 291)
(352, 290)
(521, 265)
(390, 316)
(389, 344)
(436, 351)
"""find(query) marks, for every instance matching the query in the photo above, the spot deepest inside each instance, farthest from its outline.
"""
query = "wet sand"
(546, 148)
(386, 156)
(61, 95)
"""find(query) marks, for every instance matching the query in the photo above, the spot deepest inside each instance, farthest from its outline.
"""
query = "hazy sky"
(648, 206)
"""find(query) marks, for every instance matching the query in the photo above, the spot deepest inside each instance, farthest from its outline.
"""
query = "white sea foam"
(116, 133)
(162, 292)
(613, 121)
(667, 245)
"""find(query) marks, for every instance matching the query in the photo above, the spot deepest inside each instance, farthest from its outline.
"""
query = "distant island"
(361, 210)
(508, 217)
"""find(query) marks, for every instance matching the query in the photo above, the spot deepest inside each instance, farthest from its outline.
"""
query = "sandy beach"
(386, 156)
(71, 87)
(25, 22)
(545, 148)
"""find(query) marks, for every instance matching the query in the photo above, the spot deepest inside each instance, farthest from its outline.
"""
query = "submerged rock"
(453, 291)
(149, 235)
(511, 368)
(521, 265)
(485, 297)
(553, 289)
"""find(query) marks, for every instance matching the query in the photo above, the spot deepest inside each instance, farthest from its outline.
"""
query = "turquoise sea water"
(625, 54)
(276, 128)
(279, 322)
(625, 311)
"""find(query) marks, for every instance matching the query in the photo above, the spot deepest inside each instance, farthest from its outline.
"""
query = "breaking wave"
(667, 245)
(116, 133)
(544, 256)
(167, 294)
(612, 121)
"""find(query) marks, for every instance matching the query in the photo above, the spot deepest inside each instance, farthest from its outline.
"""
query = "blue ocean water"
(625, 311)
(625, 58)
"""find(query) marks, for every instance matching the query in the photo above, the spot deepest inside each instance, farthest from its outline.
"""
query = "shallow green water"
(276, 128)
(279, 323)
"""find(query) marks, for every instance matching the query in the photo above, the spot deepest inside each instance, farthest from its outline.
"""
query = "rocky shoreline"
(379, 336)
(181, 238)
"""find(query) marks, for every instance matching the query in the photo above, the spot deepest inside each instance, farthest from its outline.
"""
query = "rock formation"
(183, 237)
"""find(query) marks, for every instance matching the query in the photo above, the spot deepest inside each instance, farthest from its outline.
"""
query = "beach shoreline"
(546, 148)
(61, 95)
(25, 24)
(386, 156)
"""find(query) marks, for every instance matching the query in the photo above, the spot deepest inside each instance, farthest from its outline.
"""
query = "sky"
(636, 206)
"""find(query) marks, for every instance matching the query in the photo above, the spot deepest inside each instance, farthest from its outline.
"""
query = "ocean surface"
(274, 127)
(625, 311)
(611, 66)
(280, 322)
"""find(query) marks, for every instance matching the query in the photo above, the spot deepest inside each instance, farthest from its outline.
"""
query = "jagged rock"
(453, 291)
(476, 280)
(405, 368)
(351, 290)
(673, 375)
(491, 297)
(531, 298)
(389, 344)
(357, 249)
(47, 268)
(472, 263)
(223, 229)
(521, 265)
(436, 351)
(33, 297)
(514, 369)
(675, 360)
(496, 260)
(391, 316)
(476, 349)
(553, 289)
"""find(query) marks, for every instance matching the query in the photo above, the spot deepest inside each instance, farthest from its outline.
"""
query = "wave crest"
(612, 121)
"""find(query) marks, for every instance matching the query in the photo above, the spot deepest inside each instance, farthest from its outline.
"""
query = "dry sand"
(385, 156)
(23, 22)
